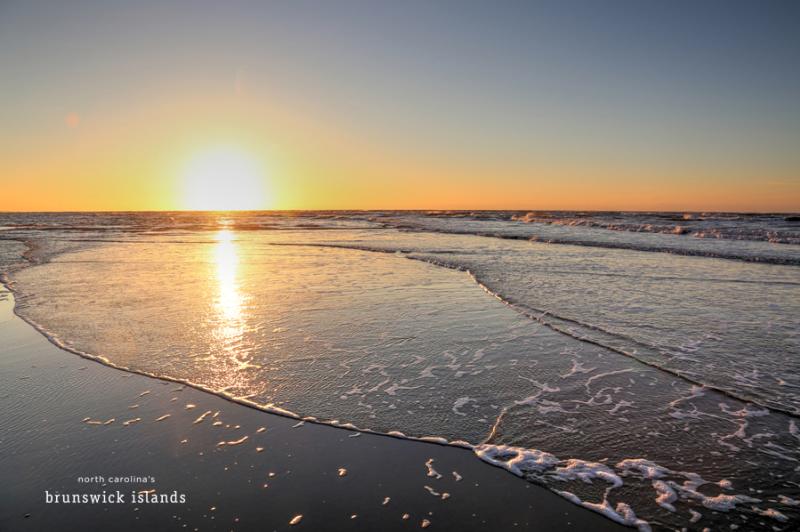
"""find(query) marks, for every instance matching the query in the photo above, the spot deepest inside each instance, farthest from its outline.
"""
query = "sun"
(224, 178)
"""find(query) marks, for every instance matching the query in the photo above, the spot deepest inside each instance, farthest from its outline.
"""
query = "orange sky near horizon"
(135, 161)
(116, 167)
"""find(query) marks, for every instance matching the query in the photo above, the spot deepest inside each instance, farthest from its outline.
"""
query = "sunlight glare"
(229, 301)
(224, 179)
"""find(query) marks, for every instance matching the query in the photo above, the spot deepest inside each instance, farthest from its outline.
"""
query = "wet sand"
(67, 420)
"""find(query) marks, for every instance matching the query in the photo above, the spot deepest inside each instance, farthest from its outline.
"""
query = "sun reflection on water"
(226, 260)
(229, 314)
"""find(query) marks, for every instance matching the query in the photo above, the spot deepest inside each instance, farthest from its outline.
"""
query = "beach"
(468, 370)
(346, 265)
(66, 419)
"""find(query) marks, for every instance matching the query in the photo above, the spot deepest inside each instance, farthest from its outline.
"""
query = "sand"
(67, 421)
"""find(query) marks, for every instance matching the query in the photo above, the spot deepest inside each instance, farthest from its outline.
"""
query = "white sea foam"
(460, 403)
(577, 367)
(431, 471)
(771, 513)
(666, 495)
(432, 491)
(622, 514)
(516, 459)
(669, 491)
(407, 346)
(525, 462)
(202, 416)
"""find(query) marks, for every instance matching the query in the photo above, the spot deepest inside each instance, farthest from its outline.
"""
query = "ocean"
(643, 365)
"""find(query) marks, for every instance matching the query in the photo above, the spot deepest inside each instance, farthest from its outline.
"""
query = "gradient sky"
(635, 105)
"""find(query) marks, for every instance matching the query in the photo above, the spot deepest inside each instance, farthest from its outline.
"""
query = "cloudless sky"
(633, 105)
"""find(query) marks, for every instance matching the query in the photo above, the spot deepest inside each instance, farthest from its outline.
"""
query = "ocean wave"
(768, 238)
(597, 482)
(776, 229)
(648, 354)
(741, 249)
(530, 428)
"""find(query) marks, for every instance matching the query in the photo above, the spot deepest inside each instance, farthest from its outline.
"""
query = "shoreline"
(233, 475)
(6, 284)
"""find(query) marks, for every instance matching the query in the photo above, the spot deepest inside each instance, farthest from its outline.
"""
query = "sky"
(632, 105)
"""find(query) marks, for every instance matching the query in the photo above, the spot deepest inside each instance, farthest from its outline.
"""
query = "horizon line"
(463, 210)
